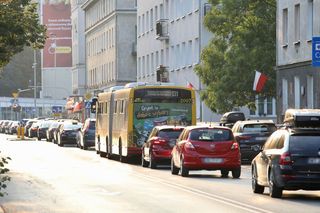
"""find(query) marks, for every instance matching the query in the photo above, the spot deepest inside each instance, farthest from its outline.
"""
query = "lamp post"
(34, 66)
(54, 46)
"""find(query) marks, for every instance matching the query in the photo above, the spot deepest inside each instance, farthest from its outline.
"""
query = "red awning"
(78, 107)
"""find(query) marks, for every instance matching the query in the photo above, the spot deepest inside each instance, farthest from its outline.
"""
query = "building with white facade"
(171, 36)
(78, 48)
(110, 39)
(297, 80)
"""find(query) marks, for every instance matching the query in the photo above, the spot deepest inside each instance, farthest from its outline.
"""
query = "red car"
(157, 149)
(206, 148)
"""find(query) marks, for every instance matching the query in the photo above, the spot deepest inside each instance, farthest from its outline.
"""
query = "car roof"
(169, 127)
(207, 127)
(256, 122)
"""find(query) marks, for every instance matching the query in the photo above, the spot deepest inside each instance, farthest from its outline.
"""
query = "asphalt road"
(47, 178)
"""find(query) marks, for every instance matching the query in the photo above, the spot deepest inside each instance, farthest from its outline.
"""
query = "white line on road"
(218, 198)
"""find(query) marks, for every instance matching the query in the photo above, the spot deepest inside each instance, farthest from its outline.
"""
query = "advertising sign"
(148, 115)
(316, 51)
(57, 18)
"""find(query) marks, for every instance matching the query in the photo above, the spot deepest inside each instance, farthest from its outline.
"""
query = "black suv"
(251, 136)
(290, 159)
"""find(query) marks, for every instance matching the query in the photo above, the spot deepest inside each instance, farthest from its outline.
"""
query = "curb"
(1, 209)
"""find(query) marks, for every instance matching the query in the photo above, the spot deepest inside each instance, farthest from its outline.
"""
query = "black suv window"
(259, 128)
(304, 144)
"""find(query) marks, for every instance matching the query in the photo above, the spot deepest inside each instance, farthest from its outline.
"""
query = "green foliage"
(3, 178)
(244, 41)
(19, 27)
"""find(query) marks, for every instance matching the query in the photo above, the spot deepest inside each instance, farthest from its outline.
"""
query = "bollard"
(22, 133)
(18, 132)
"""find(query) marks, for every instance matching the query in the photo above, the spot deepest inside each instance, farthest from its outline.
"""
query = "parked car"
(50, 131)
(13, 128)
(290, 158)
(251, 136)
(27, 127)
(86, 135)
(42, 130)
(33, 130)
(67, 133)
(7, 127)
(158, 147)
(228, 119)
(206, 148)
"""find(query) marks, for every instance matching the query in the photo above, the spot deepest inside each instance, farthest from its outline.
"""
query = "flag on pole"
(259, 81)
(189, 85)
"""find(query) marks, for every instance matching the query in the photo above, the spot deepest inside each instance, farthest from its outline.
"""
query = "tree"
(3, 170)
(19, 27)
(244, 40)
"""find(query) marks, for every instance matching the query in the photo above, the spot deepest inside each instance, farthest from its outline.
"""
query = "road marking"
(210, 196)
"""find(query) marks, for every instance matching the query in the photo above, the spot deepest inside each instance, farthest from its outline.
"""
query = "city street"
(47, 178)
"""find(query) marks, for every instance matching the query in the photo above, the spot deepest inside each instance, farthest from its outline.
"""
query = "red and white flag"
(189, 85)
(259, 81)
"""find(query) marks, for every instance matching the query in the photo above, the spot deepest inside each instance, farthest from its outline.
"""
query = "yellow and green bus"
(125, 116)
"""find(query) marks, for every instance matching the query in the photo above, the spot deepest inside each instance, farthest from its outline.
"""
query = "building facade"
(78, 47)
(297, 80)
(170, 37)
(110, 39)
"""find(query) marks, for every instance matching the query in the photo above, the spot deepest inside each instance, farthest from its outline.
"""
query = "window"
(106, 108)
(284, 95)
(122, 106)
(310, 91)
(269, 106)
(296, 92)
(310, 20)
(297, 22)
(115, 107)
(261, 106)
(151, 19)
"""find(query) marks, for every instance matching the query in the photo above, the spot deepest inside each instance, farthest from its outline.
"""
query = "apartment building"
(78, 48)
(297, 80)
(110, 41)
(170, 37)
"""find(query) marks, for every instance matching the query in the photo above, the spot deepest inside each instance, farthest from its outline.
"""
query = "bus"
(126, 115)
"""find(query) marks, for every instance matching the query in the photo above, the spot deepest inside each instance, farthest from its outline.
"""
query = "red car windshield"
(211, 135)
(169, 133)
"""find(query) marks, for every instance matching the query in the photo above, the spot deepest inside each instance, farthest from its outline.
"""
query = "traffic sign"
(316, 51)
(56, 109)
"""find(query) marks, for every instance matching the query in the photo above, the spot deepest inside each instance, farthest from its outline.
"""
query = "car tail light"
(285, 159)
(189, 146)
(234, 146)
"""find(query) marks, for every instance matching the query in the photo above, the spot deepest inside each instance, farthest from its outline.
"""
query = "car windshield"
(259, 128)
(211, 135)
(72, 126)
(169, 133)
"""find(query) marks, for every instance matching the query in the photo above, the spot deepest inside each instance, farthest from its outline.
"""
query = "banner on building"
(57, 18)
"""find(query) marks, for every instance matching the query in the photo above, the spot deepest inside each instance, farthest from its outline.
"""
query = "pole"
(35, 81)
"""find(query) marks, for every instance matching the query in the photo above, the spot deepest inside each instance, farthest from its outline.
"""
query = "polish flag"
(189, 85)
(259, 81)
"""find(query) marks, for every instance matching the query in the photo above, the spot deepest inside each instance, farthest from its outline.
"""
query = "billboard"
(56, 15)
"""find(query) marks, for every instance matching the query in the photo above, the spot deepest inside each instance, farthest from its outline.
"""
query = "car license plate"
(213, 160)
(314, 160)
(261, 138)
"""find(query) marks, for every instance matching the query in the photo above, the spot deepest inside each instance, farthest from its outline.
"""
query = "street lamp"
(34, 66)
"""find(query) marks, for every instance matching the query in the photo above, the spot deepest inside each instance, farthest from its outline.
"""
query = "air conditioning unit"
(162, 74)
(162, 29)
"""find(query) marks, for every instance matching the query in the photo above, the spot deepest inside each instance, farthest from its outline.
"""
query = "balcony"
(162, 32)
